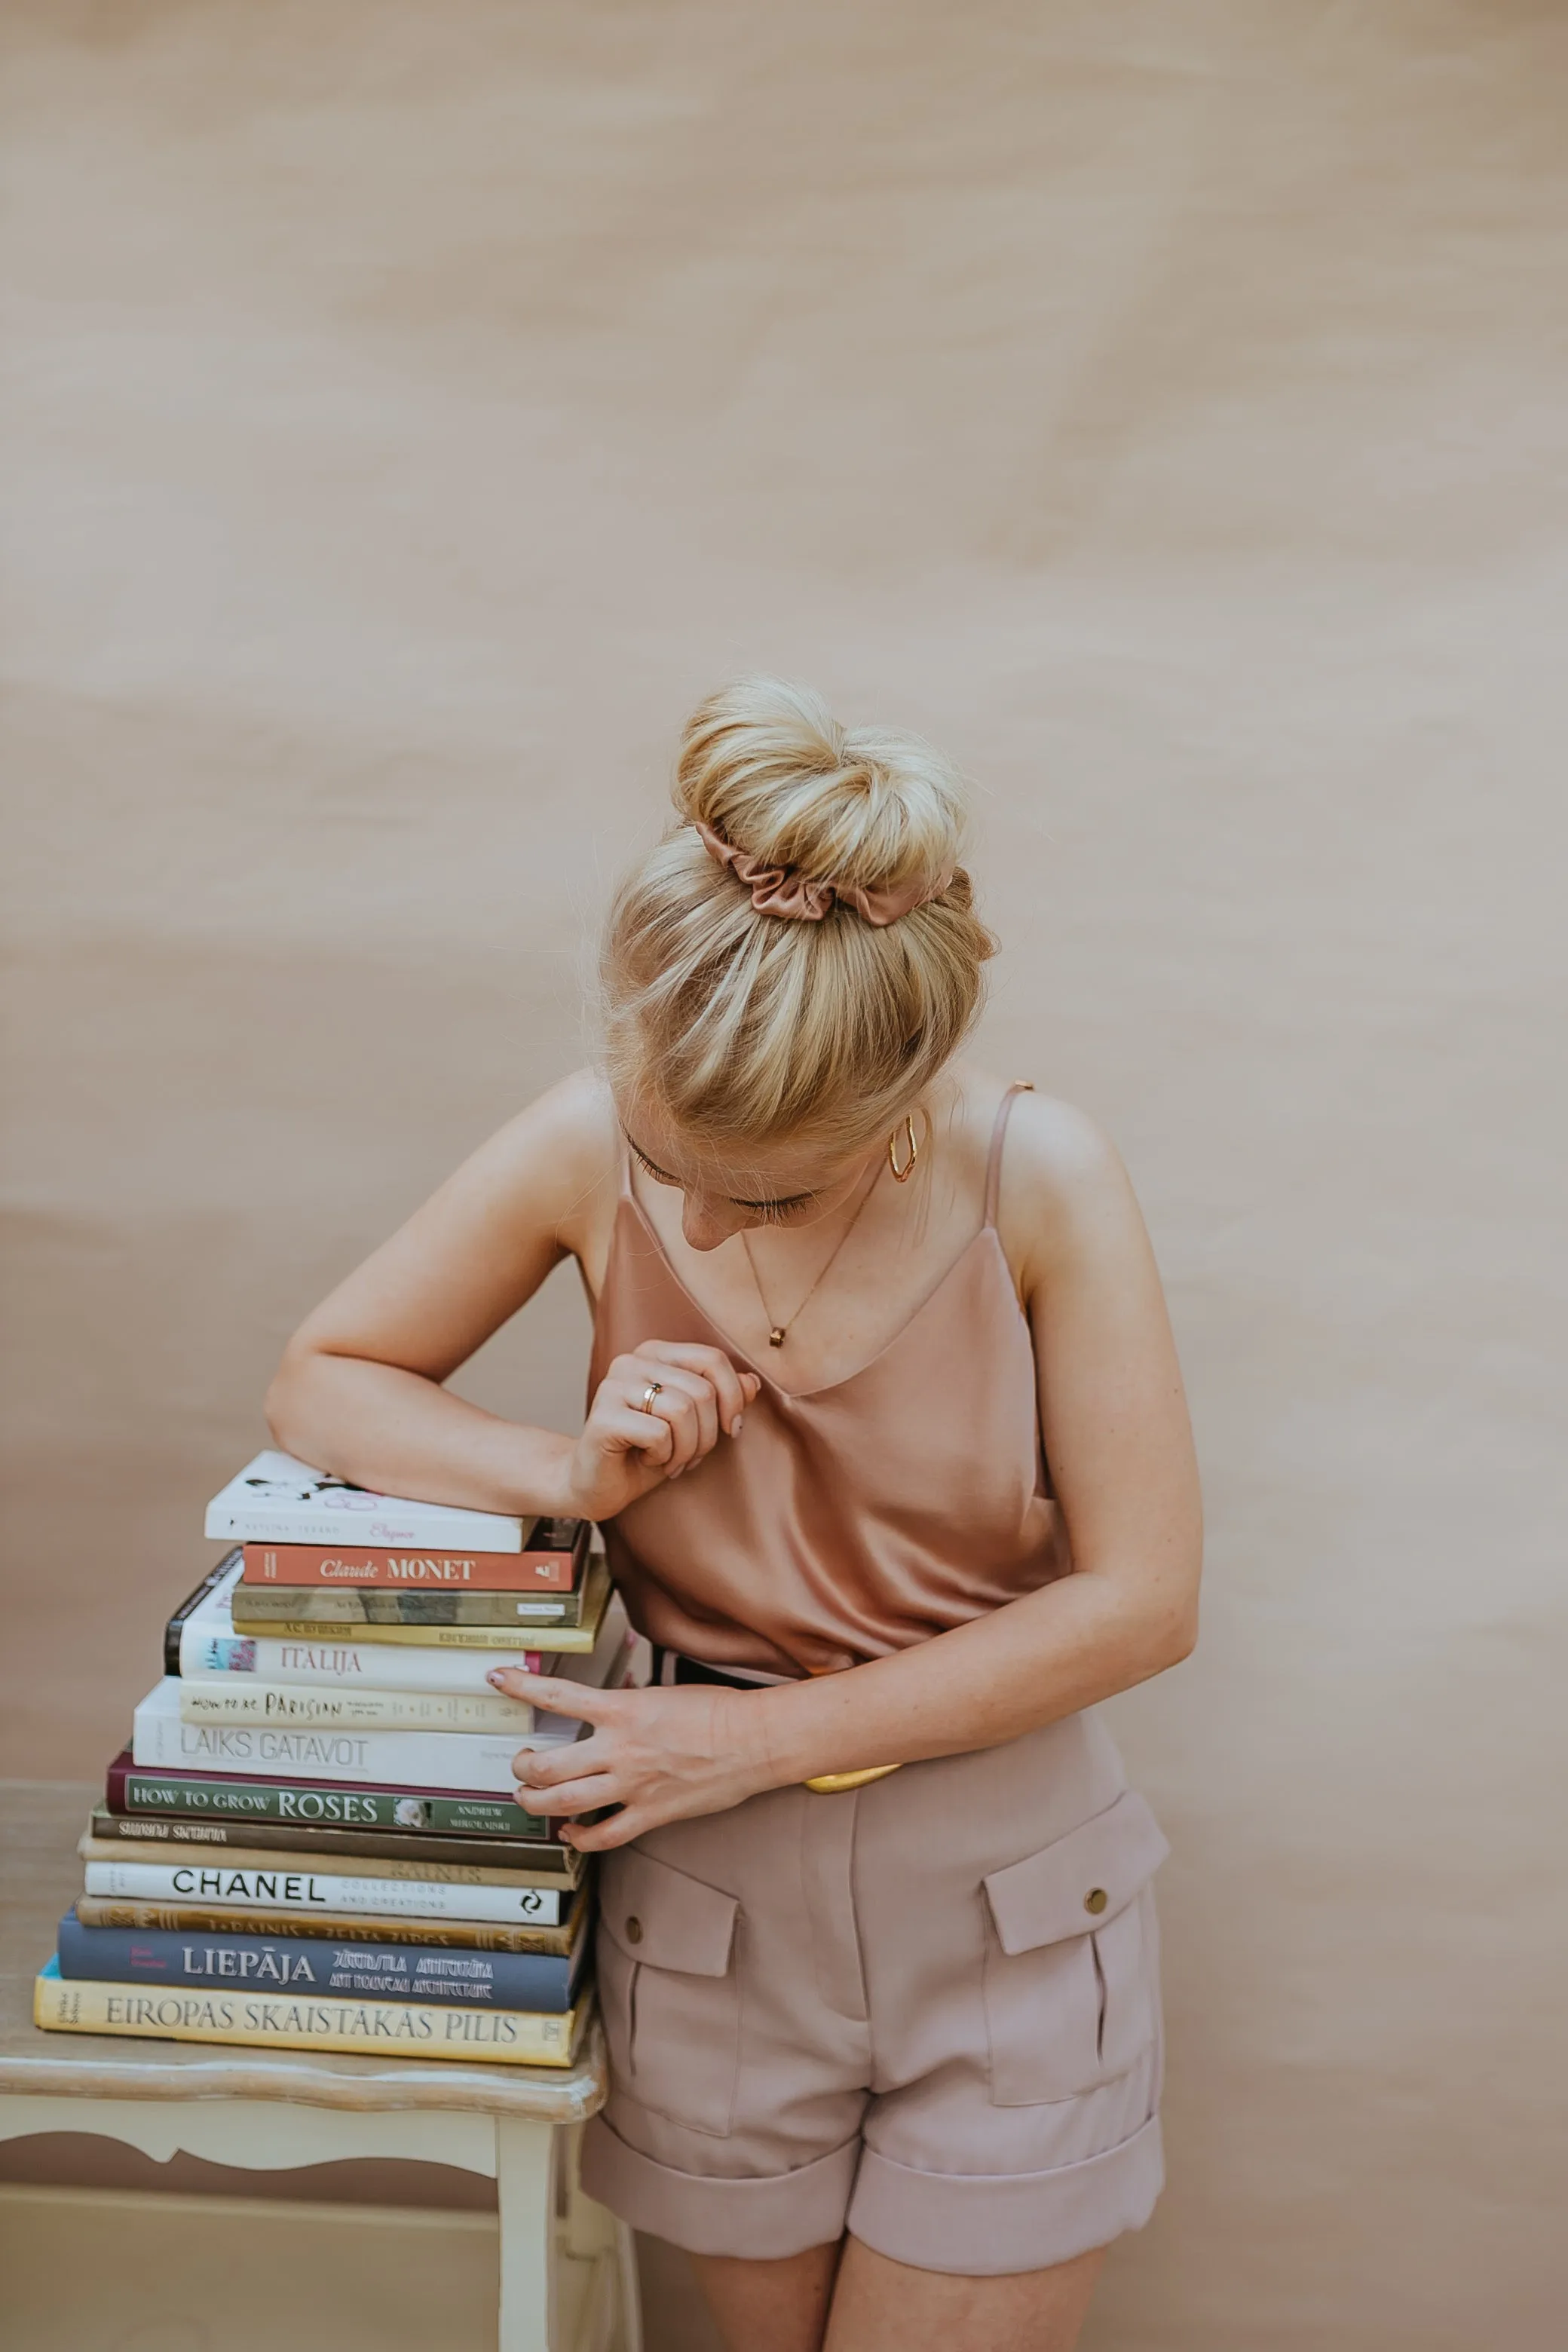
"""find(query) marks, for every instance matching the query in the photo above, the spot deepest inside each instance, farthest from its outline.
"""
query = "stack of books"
(313, 1841)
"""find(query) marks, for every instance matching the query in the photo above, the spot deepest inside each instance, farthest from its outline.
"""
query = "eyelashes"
(779, 1213)
(767, 1212)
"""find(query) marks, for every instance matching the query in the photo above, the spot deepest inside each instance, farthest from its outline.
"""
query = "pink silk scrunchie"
(784, 890)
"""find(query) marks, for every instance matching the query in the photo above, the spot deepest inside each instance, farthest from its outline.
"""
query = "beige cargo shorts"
(926, 2011)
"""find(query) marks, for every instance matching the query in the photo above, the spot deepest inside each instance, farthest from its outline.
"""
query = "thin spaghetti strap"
(998, 1134)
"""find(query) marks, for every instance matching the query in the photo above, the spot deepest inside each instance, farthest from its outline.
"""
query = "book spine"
(175, 1844)
(185, 1919)
(327, 1892)
(476, 1860)
(209, 1645)
(277, 1963)
(304, 1804)
(258, 1607)
(244, 1698)
(352, 1568)
(385, 2028)
(227, 1566)
(549, 1638)
(326, 1512)
(429, 1761)
(301, 1850)
(386, 1530)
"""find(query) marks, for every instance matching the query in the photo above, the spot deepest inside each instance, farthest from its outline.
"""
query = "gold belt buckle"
(830, 1784)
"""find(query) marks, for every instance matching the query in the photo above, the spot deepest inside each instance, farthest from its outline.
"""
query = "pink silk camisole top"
(859, 1518)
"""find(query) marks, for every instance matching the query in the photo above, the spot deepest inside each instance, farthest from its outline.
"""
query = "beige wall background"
(410, 409)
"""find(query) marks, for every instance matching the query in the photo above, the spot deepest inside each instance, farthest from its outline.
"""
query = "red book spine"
(411, 1571)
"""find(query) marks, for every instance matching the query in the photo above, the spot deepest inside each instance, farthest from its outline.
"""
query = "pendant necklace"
(779, 1332)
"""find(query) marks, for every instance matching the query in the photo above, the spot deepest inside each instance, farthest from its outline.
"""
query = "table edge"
(572, 2097)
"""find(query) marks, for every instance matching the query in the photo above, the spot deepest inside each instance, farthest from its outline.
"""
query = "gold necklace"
(779, 1332)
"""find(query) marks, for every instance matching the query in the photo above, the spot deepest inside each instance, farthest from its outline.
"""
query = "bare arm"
(1118, 1439)
(360, 1389)
(1120, 1445)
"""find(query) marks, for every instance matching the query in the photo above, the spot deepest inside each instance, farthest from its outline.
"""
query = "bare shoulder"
(1065, 1192)
(560, 1152)
(1059, 1148)
(576, 1118)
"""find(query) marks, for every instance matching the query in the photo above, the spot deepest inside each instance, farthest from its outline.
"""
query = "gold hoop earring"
(901, 1175)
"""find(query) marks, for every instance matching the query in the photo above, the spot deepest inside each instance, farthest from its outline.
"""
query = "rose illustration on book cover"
(411, 1813)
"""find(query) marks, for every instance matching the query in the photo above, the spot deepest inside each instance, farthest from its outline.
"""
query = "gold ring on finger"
(653, 1388)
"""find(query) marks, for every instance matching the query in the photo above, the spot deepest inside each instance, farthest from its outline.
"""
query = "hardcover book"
(276, 1499)
(545, 1981)
(366, 1853)
(319, 1706)
(553, 1551)
(351, 1928)
(200, 1639)
(570, 1640)
(265, 1608)
(322, 1804)
(215, 1884)
(226, 1572)
(506, 2037)
(429, 1761)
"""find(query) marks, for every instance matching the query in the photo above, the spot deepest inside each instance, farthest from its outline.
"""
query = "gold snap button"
(1096, 1900)
(634, 1928)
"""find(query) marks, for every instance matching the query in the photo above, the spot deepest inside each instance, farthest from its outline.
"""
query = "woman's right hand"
(632, 1441)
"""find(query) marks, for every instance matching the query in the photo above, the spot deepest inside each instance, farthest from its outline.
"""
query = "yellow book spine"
(572, 1639)
(392, 2029)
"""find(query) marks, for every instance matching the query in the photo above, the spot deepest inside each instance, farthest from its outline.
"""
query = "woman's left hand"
(661, 1755)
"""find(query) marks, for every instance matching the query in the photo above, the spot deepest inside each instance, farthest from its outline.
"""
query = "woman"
(886, 1427)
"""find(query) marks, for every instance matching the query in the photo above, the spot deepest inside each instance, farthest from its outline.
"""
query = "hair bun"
(745, 1030)
(767, 766)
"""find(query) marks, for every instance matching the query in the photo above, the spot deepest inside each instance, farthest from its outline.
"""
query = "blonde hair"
(746, 1027)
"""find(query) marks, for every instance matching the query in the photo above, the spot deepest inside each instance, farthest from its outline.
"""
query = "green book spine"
(258, 1607)
(310, 1804)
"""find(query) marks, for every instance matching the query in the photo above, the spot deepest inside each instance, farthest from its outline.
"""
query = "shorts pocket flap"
(657, 1915)
(1080, 1882)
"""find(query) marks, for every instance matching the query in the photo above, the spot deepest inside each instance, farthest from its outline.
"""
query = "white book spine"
(210, 1646)
(388, 1526)
(214, 1885)
(276, 1499)
(246, 1698)
(478, 1761)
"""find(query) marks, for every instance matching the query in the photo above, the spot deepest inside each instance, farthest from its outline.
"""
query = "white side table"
(568, 2273)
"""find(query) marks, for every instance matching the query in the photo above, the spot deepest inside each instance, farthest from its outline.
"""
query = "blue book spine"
(542, 1981)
